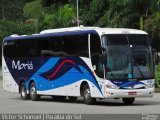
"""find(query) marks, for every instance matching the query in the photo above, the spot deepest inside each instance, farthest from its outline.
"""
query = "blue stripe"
(70, 77)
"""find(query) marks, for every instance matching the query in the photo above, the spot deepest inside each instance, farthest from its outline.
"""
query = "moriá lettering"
(19, 66)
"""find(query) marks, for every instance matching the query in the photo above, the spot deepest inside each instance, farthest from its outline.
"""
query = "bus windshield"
(128, 56)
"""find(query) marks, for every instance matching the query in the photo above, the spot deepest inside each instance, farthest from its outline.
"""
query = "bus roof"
(36, 36)
(74, 31)
(97, 29)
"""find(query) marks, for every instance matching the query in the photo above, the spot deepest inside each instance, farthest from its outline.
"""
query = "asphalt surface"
(11, 103)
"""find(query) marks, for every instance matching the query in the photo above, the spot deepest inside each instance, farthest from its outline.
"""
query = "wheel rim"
(33, 90)
(87, 94)
(23, 91)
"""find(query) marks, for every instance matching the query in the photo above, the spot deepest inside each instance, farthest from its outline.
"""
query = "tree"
(152, 26)
(33, 10)
(61, 17)
(118, 14)
(66, 15)
(11, 9)
(123, 12)
(9, 27)
(58, 3)
(92, 10)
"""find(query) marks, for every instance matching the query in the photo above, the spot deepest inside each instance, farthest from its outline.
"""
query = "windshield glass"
(128, 56)
(118, 58)
(141, 56)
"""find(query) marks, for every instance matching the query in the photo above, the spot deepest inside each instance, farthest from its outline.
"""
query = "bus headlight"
(150, 86)
(111, 86)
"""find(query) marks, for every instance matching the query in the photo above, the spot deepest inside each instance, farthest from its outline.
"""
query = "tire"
(128, 101)
(23, 92)
(72, 98)
(86, 94)
(33, 92)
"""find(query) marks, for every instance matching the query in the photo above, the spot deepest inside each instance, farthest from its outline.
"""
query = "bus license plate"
(132, 93)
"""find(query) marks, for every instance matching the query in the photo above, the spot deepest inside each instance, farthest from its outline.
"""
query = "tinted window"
(117, 40)
(20, 48)
(96, 55)
(9, 49)
(139, 40)
(76, 45)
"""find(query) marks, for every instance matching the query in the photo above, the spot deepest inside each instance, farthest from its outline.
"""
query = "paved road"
(11, 103)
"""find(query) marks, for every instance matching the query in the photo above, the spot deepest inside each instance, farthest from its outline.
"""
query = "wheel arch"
(82, 85)
(29, 83)
(19, 84)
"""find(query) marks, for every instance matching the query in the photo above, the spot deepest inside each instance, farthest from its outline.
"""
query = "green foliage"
(8, 27)
(57, 3)
(66, 15)
(152, 26)
(11, 9)
(61, 17)
(92, 11)
(50, 20)
(33, 9)
(157, 75)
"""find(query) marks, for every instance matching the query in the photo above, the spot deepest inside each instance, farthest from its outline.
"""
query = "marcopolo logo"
(19, 66)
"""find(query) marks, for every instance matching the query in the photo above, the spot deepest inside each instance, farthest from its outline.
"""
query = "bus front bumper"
(125, 93)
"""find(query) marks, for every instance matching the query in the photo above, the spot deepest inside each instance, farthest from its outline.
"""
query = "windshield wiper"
(140, 71)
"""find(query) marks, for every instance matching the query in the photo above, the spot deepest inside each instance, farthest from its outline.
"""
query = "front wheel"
(23, 92)
(33, 92)
(86, 93)
(128, 101)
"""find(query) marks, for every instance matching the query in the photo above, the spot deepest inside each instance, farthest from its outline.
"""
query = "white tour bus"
(90, 62)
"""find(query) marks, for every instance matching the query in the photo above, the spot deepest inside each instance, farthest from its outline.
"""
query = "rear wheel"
(128, 101)
(23, 92)
(86, 93)
(33, 92)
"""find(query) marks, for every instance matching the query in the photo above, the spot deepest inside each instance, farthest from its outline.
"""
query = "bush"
(157, 75)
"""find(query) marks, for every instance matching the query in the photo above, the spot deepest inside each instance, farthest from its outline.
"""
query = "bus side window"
(82, 46)
(9, 49)
(96, 55)
(46, 53)
(76, 45)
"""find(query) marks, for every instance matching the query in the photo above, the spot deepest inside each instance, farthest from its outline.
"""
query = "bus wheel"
(128, 101)
(86, 93)
(72, 98)
(23, 92)
(33, 92)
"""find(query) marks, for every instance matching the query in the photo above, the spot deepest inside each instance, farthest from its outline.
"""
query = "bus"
(88, 62)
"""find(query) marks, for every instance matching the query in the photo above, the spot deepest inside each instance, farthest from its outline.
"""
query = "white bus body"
(82, 61)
